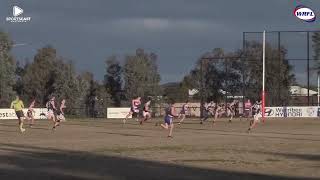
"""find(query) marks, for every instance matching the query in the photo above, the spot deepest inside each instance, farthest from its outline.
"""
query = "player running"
(60, 114)
(184, 110)
(231, 110)
(30, 113)
(134, 111)
(170, 112)
(18, 106)
(146, 113)
(256, 110)
(52, 111)
(247, 109)
(208, 111)
(219, 110)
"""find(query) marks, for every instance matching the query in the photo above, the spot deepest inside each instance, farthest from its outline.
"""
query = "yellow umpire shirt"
(17, 105)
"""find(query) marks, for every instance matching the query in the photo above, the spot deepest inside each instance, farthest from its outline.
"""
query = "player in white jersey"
(256, 109)
(183, 112)
(30, 113)
(134, 110)
(61, 110)
(146, 113)
(231, 110)
(219, 110)
(60, 114)
(52, 110)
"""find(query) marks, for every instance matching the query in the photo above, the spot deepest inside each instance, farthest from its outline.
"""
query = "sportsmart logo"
(16, 18)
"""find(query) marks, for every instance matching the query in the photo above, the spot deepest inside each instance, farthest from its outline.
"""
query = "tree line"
(49, 74)
(215, 73)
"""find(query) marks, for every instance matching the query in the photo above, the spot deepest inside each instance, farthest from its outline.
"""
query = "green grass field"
(107, 149)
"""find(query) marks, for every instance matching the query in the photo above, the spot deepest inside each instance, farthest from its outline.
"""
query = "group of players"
(210, 109)
(217, 110)
(56, 115)
(170, 112)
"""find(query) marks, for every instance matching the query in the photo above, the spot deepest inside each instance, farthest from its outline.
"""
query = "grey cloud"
(179, 31)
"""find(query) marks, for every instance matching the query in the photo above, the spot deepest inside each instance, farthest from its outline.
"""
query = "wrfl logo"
(304, 13)
(16, 18)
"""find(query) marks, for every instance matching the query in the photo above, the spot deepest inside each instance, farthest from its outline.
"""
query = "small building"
(299, 96)
(301, 91)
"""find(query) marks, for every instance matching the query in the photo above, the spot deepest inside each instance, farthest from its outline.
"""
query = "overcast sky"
(178, 31)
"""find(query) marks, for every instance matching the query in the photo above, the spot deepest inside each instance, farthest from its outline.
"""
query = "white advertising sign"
(117, 113)
(40, 113)
(292, 111)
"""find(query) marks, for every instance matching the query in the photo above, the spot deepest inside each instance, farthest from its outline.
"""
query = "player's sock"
(22, 130)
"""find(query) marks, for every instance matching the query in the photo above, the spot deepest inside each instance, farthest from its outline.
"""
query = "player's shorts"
(29, 113)
(51, 113)
(168, 119)
(61, 117)
(183, 111)
(230, 111)
(257, 115)
(134, 111)
(19, 114)
(145, 113)
(254, 112)
(247, 112)
(206, 113)
(211, 113)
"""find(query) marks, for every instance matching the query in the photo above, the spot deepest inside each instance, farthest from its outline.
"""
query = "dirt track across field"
(105, 149)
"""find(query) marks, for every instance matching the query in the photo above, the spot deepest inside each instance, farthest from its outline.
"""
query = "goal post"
(292, 64)
(263, 94)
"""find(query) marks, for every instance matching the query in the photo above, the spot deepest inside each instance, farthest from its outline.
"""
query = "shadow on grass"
(308, 157)
(28, 162)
